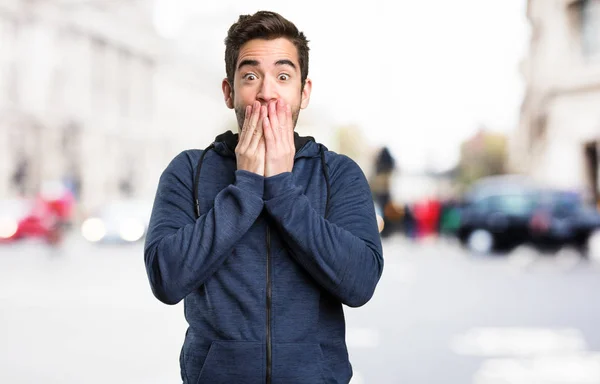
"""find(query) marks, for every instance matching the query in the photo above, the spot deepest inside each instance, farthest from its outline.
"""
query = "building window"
(98, 76)
(537, 131)
(590, 28)
(9, 75)
(148, 79)
(124, 97)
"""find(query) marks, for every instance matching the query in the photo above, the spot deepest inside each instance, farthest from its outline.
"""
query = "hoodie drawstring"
(327, 184)
(197, 179)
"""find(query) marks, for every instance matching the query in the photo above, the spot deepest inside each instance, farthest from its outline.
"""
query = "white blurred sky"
(418, 76)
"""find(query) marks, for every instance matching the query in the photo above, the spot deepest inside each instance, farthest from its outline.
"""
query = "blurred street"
(85, 314)
(486, 134)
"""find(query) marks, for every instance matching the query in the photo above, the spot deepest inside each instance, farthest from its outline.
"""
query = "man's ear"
(306, 93)
(227, 93)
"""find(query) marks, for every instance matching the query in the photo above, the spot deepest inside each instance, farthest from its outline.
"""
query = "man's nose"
(268, 91)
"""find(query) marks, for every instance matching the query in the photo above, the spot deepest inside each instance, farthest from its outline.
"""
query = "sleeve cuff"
(249, 181)
(278, 184)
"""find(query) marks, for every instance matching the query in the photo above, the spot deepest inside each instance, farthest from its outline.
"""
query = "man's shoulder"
(187, 156)
(339, 160)
(342, 167)
(184, 161)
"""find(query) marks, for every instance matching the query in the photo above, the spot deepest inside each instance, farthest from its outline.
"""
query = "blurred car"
(120, 221)
(25, 218)
(500, 213)
(562, 218)
(498, 219)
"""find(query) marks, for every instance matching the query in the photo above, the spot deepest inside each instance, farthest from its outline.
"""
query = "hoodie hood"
(306, 146)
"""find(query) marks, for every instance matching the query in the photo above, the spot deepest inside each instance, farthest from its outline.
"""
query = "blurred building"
(558, 139)
(91, 95)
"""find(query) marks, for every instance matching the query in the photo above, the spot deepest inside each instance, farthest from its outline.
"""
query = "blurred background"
(477, 124)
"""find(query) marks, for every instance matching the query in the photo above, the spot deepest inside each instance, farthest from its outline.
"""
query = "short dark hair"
(263, 25)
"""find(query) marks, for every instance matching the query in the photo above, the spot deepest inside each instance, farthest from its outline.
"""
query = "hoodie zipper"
(269, 346)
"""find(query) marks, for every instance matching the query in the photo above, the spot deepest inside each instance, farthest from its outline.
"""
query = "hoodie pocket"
(230, 362)
(298, 363)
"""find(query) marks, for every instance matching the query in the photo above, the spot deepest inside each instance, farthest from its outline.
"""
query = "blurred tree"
(351, 140)
(482, 155)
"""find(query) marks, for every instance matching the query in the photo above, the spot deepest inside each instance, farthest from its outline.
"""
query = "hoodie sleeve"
(180, 251)
(343, 253)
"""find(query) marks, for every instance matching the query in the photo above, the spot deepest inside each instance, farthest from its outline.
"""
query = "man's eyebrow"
(252, 63)
(286, 62)
(255, 63)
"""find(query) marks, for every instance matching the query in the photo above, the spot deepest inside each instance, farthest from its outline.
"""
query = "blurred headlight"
(93, 229)
(131, 230)
(8, 227)
(594, 246)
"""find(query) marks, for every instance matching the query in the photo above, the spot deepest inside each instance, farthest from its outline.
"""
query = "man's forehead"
(268, 52)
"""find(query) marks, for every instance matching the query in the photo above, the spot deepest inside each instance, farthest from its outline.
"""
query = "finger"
(281, 115)
(244, 129)
(268, 132)
(274, 121)
(246, 122)
(256, 108)
(251, 125)
(289, 124)
(258, 133)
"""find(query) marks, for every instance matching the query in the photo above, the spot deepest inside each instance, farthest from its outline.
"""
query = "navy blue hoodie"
(266, 265)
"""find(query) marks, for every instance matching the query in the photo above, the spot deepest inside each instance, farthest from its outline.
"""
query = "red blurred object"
(46, 217)
(427, 214)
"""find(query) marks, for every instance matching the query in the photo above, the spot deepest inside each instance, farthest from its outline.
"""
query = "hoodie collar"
(225, 143)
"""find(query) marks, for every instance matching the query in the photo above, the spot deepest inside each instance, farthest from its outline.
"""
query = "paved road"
(85, 314)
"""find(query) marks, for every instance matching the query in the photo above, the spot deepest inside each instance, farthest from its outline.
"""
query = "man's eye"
(284, 77)
(249, 76)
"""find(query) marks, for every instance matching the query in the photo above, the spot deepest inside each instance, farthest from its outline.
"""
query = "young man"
(264, 235)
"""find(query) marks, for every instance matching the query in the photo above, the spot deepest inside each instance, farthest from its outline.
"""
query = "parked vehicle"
(501, 213)
(562, 218)
(497, 220)
(38, 218)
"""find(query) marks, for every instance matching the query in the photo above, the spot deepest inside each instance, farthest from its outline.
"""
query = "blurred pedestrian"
(409, 224)
(265, 234)
(381, 188)
(20, 176)
(382, 175)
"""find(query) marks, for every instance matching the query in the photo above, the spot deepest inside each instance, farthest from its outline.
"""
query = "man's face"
(267, 70)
